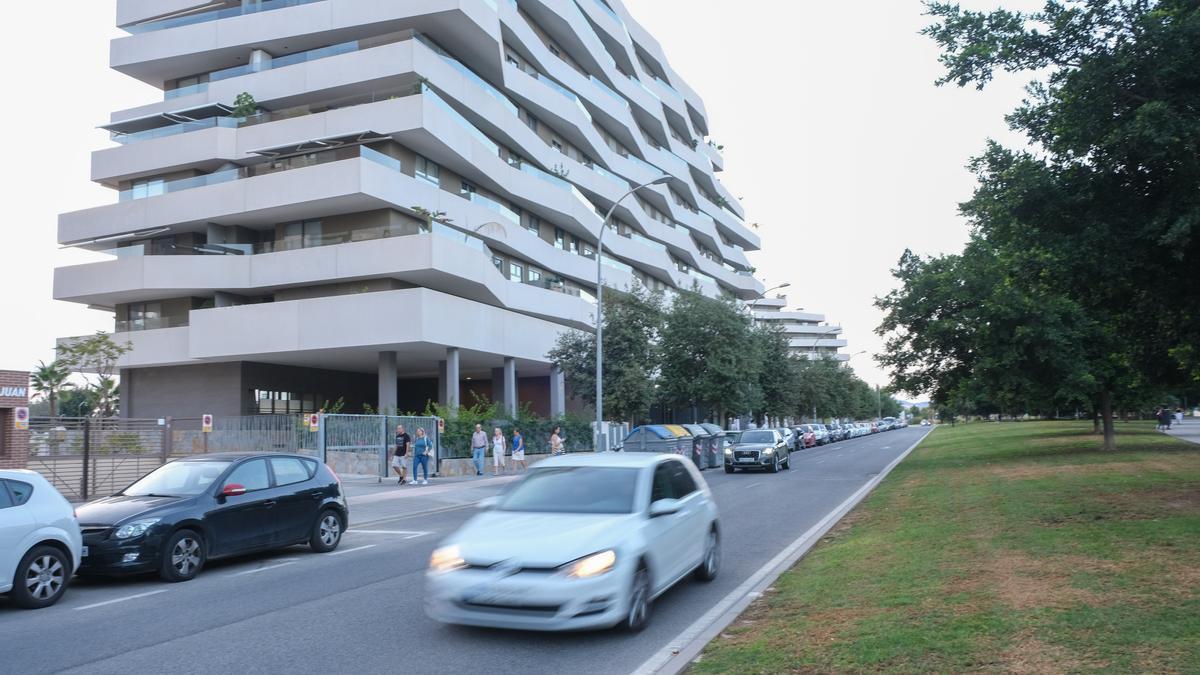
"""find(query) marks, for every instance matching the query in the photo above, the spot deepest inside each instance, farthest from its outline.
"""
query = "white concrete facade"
(809, 334)
(416, 192)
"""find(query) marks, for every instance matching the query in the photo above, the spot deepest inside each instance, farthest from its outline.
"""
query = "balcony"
(214, 15)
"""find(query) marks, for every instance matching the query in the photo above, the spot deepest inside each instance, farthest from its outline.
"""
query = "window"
(560, 239)
(303, 234)
(499, 263)
(662, 487)
(144, 315)
(183, 479)
(428, 171)
(20, 492)
(556, 145)
(466, 189)
(681, 480)
(535, 274)
(148, 188)
(5, 500)
(532, 223)
(289, 470)
(573, 489)
(515, 272)
(252, 475)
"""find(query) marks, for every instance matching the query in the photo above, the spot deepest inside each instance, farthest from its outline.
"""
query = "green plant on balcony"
(560, 171)
(244, 105)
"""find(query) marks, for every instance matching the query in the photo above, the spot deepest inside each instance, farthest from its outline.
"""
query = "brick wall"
(14, 445)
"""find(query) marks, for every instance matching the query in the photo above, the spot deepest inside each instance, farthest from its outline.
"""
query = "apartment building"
(389, 202)
(808, 334)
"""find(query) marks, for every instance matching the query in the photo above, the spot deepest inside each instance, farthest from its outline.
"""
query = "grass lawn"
(1014, 547)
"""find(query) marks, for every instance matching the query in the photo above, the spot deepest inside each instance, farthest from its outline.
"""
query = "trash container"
(700, 439)
(716, 445)
(652, 438)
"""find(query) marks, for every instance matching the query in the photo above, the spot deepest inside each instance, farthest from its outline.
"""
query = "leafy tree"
(778, 370)
(244, 105)
(95, 357)
(48, 379)
(632, 322)
(74, 403)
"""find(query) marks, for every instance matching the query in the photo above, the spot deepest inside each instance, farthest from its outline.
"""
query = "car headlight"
(729, 451)
(768, 451)
(592, 566)
(135, 529)
(446, 559)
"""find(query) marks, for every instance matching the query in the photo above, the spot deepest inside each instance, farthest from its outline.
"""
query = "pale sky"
(835, 137)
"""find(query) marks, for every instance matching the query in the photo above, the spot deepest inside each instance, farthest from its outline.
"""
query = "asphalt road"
(360, 608)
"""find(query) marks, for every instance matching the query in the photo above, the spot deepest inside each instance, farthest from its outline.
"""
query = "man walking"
(478, 448)
(399, 459)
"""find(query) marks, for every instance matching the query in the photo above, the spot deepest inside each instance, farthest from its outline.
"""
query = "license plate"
(83, 552)
(746, 460)
(494, 598)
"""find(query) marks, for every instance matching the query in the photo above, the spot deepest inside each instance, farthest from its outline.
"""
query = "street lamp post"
(600, 303)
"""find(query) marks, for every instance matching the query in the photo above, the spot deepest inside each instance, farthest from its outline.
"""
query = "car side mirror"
(233, 490)
(664, 507)
(488, 502)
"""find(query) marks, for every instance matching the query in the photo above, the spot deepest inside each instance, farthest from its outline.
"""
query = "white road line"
(352, 550)
(677, 654)
(747, 487)
(128, 597)
(263, 569)
(407, 534)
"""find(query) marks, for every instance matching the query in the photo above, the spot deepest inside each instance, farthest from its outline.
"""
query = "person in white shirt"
(497, 451)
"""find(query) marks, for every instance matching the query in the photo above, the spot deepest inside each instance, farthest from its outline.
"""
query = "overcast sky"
(835, 137)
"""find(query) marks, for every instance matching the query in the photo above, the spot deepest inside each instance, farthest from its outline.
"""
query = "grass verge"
(1015, 547)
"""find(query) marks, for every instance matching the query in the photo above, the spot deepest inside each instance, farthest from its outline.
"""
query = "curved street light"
(600, 302)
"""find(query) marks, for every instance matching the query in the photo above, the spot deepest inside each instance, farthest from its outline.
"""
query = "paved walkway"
(1188, 431)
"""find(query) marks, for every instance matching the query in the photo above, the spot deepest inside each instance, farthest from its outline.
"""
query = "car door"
(240, 523)
(666, 535)
(297, 497)
(692, 515)
(15, 523)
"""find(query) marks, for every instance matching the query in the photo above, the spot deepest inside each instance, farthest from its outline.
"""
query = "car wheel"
(41, 577)
(183, 557)
(728, 469)
(774, 465)
(711, 564)
(327, 531)
(787, 463)
(639, 602)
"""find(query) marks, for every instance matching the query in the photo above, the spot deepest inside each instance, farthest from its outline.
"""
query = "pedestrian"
(478, 448)
(1167, 418)
(1158, 419)
(556, 442)
(422, 451)
(1179, 416)
(518, 451)
(497, 451)
(400, 457)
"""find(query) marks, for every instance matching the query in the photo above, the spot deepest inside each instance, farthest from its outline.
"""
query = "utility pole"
(878, 403)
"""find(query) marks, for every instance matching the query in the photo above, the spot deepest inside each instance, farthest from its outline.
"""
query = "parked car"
(924, 423)
(40, 543)
(807, 436)
(583, 541)
(837, 432)
(758, 449)
(821, 433)
(184, 513)
(789, 437)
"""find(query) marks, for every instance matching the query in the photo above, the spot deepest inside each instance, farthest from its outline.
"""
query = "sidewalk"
(372, 500)
(1189, 430)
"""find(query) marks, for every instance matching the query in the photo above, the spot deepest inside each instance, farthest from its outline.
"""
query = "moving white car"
(40, 542)
(583, 541)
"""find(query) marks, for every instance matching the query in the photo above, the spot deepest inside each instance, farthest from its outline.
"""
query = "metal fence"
(361, 444)
(84, 457)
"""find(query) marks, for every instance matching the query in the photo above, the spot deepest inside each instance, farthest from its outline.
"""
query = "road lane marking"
(678, 654)
(407, 534)
(753, 485)
(352, 550)
(264, 569)
(128, 597)
(421, 514)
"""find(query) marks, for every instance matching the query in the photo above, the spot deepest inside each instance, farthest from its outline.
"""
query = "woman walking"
(497, 451)
(556, 444)
(518, 451)
(422, 451)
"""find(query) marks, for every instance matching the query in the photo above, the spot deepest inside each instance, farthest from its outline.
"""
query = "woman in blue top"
(422, 450)
(518, 450)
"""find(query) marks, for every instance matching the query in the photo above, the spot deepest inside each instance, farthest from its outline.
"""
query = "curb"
(682, 650)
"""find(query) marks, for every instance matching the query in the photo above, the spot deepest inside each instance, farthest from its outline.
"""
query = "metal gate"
(251, 433)
(84, 457)
(362, 444)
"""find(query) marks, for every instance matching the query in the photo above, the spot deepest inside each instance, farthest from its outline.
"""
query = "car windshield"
(574, 489)
(758, 437)
(178, 479)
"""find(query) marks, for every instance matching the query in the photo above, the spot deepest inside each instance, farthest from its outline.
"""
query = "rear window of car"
(5, 499)
(289, 470)
(20, 492)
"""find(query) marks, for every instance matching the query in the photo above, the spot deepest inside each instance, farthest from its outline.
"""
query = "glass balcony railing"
(180, 92)
(646, 241)
(175, 130)
(608, 90)
(156, 188)
(204, 17)
(608, 10)
(469, 74)
(624, 184)
(463, 122)
(492, 204)
(151, 323)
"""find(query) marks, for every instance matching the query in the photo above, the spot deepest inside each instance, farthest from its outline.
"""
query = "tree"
(245, 105)
(778, 370)
(96, 358)
(48, 380)
(1085, 239)
(708, 359)
(632, 321)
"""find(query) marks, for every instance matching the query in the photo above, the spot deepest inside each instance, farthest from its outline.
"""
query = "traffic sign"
(441, 426)
(21, 418)
(206, 424)
(314, 422)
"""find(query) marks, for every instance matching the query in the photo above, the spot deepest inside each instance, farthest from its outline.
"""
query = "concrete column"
(387, 381)
(510, 385)
(452, 377)
(259, 60)
(125, 403)
(441, 392)
(558, 392)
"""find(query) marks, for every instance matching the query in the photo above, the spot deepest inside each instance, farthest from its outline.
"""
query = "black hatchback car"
(186, 512)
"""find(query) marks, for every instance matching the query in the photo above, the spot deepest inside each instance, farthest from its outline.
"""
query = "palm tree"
(104, 395)
(48, 380)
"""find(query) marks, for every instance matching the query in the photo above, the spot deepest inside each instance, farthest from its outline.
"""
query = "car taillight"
(335, 476)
